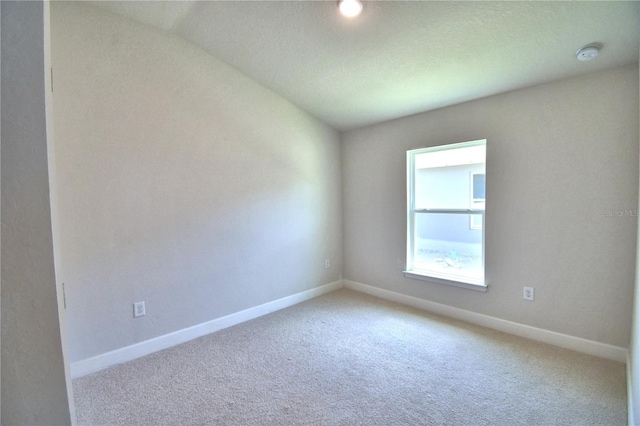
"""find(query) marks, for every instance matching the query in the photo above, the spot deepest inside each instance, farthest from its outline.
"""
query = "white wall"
(560, 156)
(179, 182)
(33, 384)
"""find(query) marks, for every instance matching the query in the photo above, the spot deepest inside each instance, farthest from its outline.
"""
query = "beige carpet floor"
(350, 359)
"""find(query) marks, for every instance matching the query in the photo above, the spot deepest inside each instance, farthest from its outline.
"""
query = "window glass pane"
(446, 244)
(445, 187)
(478, 186)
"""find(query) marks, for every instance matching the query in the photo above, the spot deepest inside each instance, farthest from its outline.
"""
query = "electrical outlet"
(327, 264)
(138, 309)
(527, 293)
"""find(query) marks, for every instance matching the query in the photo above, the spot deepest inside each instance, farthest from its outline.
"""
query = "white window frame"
(412, 213)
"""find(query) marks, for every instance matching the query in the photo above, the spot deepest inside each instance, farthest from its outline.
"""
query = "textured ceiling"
(398, 57)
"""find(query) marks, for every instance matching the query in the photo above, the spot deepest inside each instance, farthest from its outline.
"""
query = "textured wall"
(562, 192)
(179, 182)
(33, 378)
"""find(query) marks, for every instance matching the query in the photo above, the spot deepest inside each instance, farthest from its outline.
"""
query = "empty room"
(309, 212)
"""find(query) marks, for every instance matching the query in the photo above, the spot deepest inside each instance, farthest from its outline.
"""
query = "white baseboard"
(129, 353)
(579, 344)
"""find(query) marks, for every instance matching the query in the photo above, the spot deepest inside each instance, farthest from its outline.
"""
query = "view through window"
(446, 204)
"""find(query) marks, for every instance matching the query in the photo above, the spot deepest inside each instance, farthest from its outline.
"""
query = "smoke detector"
(587, 53)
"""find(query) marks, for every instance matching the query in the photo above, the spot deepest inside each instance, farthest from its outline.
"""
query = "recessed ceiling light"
(587, 53)
(350, 8)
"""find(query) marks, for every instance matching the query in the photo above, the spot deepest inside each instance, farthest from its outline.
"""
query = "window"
(445, 214)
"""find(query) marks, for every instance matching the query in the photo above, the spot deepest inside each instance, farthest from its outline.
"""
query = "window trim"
(432, 276)
(416, 275)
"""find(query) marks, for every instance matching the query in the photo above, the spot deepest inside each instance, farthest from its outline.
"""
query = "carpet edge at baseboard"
(566, 341)
(140, 349)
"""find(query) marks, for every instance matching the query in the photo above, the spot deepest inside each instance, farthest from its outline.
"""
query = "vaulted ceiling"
(398, 57)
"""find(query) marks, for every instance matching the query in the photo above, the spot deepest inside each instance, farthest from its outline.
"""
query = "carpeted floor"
(350, 359)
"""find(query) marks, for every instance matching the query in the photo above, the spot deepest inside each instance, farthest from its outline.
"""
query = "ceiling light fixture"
(350, 8)
(587, 53)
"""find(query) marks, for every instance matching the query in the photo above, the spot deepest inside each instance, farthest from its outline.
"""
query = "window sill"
(447, 280)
